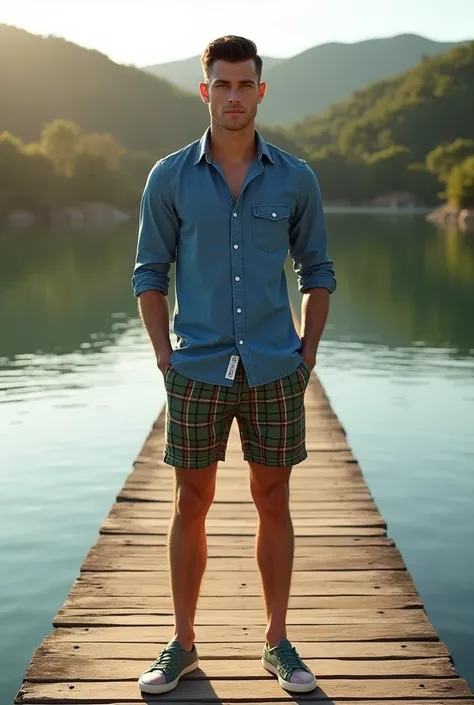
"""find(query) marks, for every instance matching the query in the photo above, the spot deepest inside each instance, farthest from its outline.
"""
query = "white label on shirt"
(234, 361)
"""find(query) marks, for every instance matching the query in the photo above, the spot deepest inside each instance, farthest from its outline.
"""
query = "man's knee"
(271, 498)
(194, 493)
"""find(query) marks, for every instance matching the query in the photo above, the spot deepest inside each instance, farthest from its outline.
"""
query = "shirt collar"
(203, 147)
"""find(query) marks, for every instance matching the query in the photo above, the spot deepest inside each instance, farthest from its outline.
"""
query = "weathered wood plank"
(76, 667)
(386, 631)
(299, 481)
(311, 617)
(225, 584)
(324, 583)
(141, 603)
(231, 512)
(304, 544)
(338, 526)
(264, 688)
(55, 644)
(345, 560)
(84, 587)
(354, 552)
(242, 497)
(224, 509)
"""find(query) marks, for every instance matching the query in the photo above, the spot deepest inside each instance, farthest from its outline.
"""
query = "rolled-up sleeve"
(157, 234)
(308, 237)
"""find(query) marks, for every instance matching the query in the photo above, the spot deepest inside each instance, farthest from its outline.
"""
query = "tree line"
(67, 167)
(411, 133)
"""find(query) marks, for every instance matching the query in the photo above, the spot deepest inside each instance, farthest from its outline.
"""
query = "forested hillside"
(381, 137)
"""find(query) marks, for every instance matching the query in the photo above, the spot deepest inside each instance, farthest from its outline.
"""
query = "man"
(227, 209)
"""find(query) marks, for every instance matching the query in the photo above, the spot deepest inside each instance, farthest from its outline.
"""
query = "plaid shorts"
(271, 419)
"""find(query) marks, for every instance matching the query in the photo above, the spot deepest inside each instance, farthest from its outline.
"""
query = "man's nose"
(234, 96)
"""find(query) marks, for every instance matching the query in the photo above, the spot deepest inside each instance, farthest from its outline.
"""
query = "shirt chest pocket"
(271, 227)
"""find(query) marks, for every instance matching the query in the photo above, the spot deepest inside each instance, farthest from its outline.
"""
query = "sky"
(143, 32)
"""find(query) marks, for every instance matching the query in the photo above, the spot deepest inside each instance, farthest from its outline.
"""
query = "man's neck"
(233, 146)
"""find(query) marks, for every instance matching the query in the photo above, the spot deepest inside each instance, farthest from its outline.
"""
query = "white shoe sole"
(286, 685)
(166, 687)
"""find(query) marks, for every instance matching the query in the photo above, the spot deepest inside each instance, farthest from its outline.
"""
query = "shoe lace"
(168, 657)
(290, 659)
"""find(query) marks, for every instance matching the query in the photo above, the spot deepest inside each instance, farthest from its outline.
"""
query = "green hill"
(45, 78)
(76, 127)
(420, 109)
(187, 73)
(306, 84)
(381, 139)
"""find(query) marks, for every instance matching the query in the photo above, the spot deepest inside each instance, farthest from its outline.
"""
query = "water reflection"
(401, 284)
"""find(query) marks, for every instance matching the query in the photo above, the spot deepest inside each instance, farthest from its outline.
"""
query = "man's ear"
(204, 91)
(262, 88)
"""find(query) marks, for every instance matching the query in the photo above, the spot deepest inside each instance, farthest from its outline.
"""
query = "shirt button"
(239, 310)
(237, 279)
(235, 215)
(274, 215)
(236, 247)
(241, 342)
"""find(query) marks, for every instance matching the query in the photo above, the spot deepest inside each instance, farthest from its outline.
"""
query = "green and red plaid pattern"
(271, 419)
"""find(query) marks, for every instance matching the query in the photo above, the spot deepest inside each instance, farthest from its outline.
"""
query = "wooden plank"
(87, 585)
(310, 617)
(338, 526)
(354, 552)
(54, 667)
(303, 544)
(225, 584)
(385, 631)
(237, 565)
(351, 481)
(147, 510)
(234, 469)
(229, 495)
(326, 583)
(142, 603)
(359, 519)
(264, 688)
(59, 642)
(222, 509)
(55, 644)
(385, 559)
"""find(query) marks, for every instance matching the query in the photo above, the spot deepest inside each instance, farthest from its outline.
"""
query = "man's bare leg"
(274, 543)
(187, 545)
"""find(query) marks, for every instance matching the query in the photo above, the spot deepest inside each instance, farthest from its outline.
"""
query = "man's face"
(233, 93)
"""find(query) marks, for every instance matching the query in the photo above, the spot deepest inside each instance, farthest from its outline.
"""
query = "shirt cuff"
(150, 281)
(317, 281)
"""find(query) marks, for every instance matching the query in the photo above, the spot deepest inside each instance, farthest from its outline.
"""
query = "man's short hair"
(230, 48)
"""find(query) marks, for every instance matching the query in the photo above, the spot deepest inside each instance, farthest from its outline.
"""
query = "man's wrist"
(307, 349)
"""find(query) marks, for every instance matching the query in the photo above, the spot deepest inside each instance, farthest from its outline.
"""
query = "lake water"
(79, 392)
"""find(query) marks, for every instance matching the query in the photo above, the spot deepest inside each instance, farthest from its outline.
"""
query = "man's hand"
(163, 359)
(309, 358)
(314, 311)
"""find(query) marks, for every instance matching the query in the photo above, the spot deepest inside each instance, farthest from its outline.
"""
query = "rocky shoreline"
(447, 216)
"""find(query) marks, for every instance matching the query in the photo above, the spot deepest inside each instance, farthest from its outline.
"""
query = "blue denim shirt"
(231, 289)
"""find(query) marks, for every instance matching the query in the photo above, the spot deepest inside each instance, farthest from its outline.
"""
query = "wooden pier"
(355, 614)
